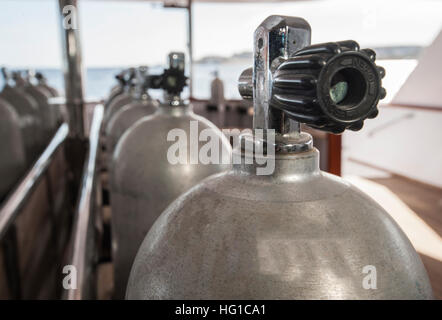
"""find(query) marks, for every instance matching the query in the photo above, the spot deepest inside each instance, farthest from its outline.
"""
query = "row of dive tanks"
(292, 233)
(27, 123)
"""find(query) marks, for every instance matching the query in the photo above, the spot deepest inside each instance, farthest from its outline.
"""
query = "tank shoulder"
(321, 246)
(129, 114)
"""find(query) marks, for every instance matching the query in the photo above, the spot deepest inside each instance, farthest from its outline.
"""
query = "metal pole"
(73, 69)
(76, 144)
(83, 235)
(190, 45)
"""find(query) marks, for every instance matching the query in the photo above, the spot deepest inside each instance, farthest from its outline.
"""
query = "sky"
(117, 33)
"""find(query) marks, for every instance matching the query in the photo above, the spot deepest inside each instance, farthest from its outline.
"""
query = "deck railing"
(83, 253)
(15, 201)
(19, 273)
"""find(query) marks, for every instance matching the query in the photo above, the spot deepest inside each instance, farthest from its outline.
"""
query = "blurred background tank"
(42, 82)
(123, 98)
(143, 181)
(294, 232)
(30, 120)
(12, 153)
(50, 116)
(142, 105)
(117, 89)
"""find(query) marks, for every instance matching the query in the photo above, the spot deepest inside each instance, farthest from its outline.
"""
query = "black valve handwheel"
(332, 86)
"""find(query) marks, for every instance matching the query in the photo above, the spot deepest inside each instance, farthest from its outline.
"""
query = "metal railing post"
(190, 46)
(72, 66)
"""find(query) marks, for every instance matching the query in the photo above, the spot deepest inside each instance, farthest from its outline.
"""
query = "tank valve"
(330, 86)
(6, 75)
(122, 78)
(173, 79)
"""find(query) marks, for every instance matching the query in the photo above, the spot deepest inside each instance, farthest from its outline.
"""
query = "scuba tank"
(118, 88)
(43, 83)
(121, 99)
(30, 121)
(29, 78)
(276, 227)
(59, 109)
(126, 116)
(143, 180)
(12, 153)
(49, 115)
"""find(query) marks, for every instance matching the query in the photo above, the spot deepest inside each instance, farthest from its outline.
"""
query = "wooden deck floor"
(426, 202)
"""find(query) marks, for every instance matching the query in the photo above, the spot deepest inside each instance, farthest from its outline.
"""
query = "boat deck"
(426, 202)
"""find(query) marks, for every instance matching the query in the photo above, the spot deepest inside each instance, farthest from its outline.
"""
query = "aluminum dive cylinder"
(122, 99)
(42, 82)
(142, 105)
(30, 122)
(12, 152)
(60, 109)
(144, 179)
(50, 115)
(118, 88)
(275, 226)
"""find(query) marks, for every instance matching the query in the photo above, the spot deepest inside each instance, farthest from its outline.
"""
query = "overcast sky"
(133, 33)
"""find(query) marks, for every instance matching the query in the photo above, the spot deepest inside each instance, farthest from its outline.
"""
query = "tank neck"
(175, 110)
(290, 156)
(282, 166)
(142, 96)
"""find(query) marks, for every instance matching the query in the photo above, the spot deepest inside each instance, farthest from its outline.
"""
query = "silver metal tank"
(49, 114)
(297, 232)
(42, 82)
(142, 105)
(118, 88)
(122, 99)
(143, 181)
(12, 153)
(51, 92)
(30, 121)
